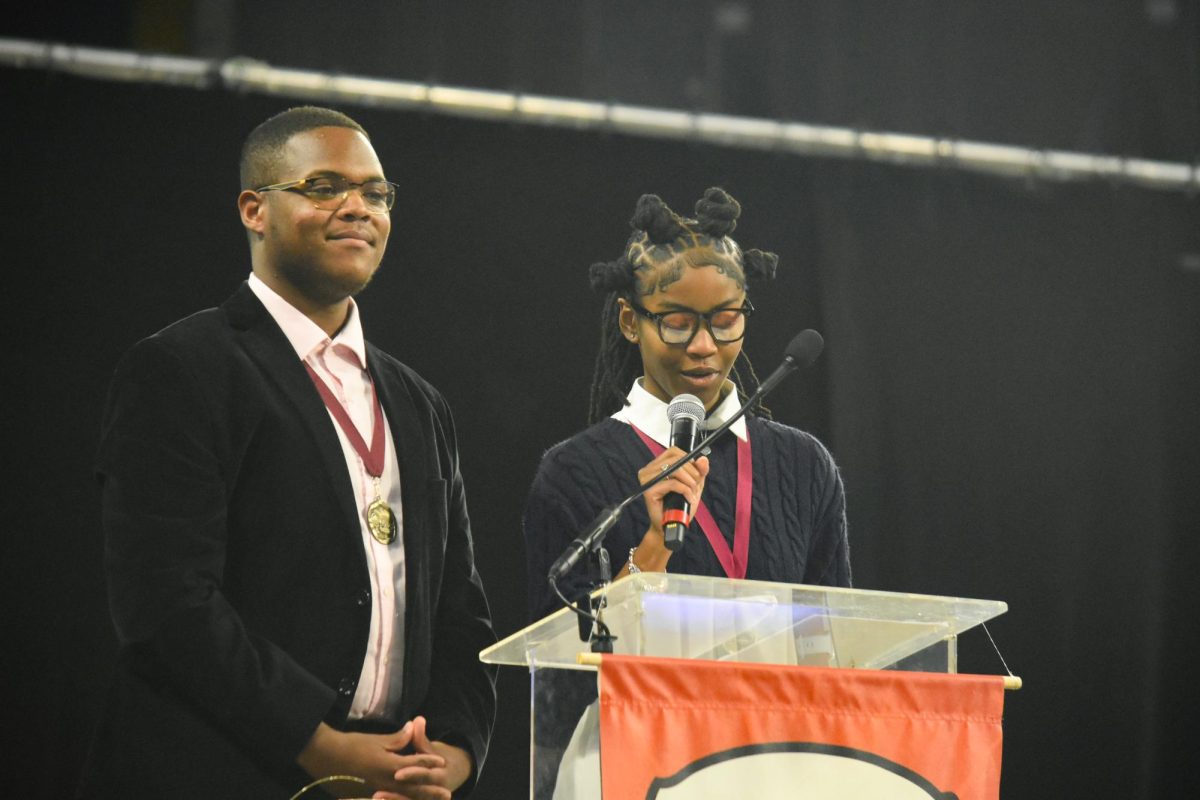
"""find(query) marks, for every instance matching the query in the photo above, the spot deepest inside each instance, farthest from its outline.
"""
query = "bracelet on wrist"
(634, 569)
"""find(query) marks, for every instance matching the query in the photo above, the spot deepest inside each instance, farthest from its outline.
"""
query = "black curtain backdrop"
(1009, 386)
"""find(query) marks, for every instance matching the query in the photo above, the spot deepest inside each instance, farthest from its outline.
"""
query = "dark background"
(1011, 371)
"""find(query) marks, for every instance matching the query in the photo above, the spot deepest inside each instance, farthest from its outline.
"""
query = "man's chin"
(348, 284)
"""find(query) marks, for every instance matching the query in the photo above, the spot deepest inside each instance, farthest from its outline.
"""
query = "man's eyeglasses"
(328, 192)
(725, 325)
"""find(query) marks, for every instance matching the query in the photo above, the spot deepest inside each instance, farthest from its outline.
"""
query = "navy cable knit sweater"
(797, 528)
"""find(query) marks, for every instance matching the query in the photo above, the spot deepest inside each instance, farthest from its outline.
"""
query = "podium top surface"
(691, 616)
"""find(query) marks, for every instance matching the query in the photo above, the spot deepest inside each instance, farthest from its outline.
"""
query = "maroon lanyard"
(734, 563)
(372, 457)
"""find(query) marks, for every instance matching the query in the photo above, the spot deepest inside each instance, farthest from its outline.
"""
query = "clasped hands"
(430, 771)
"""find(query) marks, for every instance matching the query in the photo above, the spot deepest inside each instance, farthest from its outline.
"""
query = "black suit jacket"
(236, 572)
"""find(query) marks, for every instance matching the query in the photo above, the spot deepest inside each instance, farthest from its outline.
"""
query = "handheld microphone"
(684, 413)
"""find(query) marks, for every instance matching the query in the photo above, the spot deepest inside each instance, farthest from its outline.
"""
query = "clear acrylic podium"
(687, 616)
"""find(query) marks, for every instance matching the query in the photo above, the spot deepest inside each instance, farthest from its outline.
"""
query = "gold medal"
(381, 521)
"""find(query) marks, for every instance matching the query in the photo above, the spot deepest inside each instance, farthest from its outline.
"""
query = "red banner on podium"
(676, 728)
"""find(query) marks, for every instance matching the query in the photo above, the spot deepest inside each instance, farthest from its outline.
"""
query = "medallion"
(381, 521)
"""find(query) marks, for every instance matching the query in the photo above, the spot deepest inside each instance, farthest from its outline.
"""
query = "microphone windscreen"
(685, 405)
(805, 348)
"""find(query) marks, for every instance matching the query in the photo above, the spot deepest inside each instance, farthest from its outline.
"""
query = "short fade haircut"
(262, 152)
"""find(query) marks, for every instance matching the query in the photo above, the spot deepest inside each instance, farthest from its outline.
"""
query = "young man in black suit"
(288, 551)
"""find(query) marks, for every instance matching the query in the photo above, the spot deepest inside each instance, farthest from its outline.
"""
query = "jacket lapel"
(266, 344)
(414, 444)
(412, 450)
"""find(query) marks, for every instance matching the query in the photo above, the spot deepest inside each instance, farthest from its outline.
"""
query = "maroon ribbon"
(372, 457)
(734, 563)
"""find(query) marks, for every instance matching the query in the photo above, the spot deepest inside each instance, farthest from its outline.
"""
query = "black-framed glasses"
(679, 327)
(328, 192)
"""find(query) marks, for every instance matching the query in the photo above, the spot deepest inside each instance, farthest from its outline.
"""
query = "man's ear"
(253, 211)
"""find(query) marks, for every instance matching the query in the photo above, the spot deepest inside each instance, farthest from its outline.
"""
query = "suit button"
(347, 686)
(362, 597)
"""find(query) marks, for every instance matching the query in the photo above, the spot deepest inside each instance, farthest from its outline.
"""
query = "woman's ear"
(627, 320)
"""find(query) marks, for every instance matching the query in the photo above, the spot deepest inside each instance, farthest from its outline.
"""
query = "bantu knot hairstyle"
(660, 236)
(611, 276)
(656, 220)
(760, 265)
(717, 213)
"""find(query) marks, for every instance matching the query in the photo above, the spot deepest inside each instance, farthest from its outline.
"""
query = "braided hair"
(660, 236)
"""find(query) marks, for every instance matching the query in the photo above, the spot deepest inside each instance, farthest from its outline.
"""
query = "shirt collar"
(649, 414)
(305, 335)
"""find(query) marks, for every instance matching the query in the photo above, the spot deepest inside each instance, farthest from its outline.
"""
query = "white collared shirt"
(649, 414)
(341, 362)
